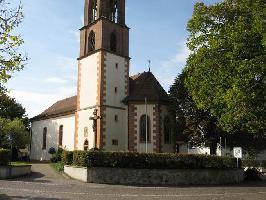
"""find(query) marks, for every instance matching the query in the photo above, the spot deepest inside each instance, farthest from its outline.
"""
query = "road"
(46, 184)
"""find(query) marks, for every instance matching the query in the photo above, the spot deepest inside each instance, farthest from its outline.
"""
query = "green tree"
(193, 125)
(11, 59)
(13, 131)
(227, 65)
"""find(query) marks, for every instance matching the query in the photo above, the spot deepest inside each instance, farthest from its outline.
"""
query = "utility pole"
(146, 112)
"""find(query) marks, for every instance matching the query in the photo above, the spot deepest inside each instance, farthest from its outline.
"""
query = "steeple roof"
(145, 85)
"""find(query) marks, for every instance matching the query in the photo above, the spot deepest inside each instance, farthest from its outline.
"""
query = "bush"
(5, 157)
(57, 156)
(52, 150)
(250, 163)
(263, 163)
(150, 161)
(67, 157)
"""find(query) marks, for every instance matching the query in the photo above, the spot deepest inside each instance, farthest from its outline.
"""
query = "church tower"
(103, 77)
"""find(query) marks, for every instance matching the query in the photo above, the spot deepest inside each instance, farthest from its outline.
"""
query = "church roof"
(60, 108)
(145, 85)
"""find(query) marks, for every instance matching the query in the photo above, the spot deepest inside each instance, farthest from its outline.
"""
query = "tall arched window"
(167, 130)
(94, 11)
(91, 41)
(44, 138)
(61, 128)
(142, 131)
(113, 41)
(114, 11)
(86, 145)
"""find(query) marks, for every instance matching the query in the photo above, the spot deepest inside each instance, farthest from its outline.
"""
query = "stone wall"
(12, 172)
(156, 177)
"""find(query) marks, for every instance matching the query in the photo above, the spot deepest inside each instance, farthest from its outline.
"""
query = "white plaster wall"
(166, 148)
(52, 125)
(116, 130)
(141, 110)
(84, 121)
(88, 84)
(115, 78)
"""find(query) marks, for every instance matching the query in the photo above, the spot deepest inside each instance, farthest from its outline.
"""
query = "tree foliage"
(11, 59)
(13, 131)
(227, 65)
(194, 125)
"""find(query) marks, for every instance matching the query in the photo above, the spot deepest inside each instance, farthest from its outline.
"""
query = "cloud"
(56, 80)
(173, 66)
(37, 102)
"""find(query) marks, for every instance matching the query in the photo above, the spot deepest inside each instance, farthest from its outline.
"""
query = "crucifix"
(149, 61)
(94, 118)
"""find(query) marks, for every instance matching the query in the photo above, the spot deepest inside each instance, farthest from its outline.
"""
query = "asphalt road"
(45, 184)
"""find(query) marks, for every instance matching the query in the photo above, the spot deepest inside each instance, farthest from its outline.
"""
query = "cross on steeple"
(149, 61)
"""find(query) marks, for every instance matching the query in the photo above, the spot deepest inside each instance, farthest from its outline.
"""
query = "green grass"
(59, 167)
(15, 164)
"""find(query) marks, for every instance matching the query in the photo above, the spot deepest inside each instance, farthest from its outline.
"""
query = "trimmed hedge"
(67, 157)
(150, 160)
(250, 163)
(5, 157)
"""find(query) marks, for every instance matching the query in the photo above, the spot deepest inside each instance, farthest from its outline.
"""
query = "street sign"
(238, 152)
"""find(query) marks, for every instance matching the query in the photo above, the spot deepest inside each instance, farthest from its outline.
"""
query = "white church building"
(111, 111)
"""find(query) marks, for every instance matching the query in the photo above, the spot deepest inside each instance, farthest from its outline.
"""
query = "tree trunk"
(213, 147)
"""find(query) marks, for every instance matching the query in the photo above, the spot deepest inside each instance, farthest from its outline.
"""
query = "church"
(112, 111)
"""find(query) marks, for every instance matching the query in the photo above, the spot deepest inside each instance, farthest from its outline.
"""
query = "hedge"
(5, 157)
(151, 160)
(67, 157)
(253, 163)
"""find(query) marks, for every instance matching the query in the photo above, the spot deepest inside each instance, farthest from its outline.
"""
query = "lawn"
(16, 164)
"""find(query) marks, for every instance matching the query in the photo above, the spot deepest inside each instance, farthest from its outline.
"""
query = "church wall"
(88, 81)
(141, 110)
(85, 123)
(115, 135)
(52, 125)
(166, 148)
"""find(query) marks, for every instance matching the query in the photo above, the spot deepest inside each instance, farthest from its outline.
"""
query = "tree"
(13, 131)
(194, 125)
(11, 59)
(227, 65)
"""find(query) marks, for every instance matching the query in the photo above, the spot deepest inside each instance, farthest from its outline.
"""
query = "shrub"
(250, 163)
(150, 160)
(5, 157)
(263, 163)
(67, 157)
(57, 156)
(80, 158)
(52, 150)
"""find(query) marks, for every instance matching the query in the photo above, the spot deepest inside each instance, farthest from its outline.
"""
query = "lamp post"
(10, 138)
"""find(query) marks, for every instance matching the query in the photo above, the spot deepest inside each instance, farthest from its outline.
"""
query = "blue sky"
(51, 33)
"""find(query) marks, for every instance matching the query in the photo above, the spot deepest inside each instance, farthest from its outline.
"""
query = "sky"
(51, 33)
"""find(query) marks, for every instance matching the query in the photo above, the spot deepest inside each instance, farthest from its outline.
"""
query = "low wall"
(14, 171)
(155, 177)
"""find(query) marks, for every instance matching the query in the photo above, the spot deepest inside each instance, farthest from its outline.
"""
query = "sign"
(238, 152)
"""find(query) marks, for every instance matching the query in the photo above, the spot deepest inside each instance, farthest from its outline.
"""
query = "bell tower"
(103, 77)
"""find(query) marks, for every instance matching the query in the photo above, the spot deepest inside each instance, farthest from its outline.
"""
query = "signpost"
(238, 153)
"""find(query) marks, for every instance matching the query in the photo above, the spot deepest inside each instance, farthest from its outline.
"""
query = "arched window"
(142, 131)
(167, 130)
(114, 11)
(61, 135)
(94, 12)
(113, 41)
(86, 145)
(44, 137)
(91, 41)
